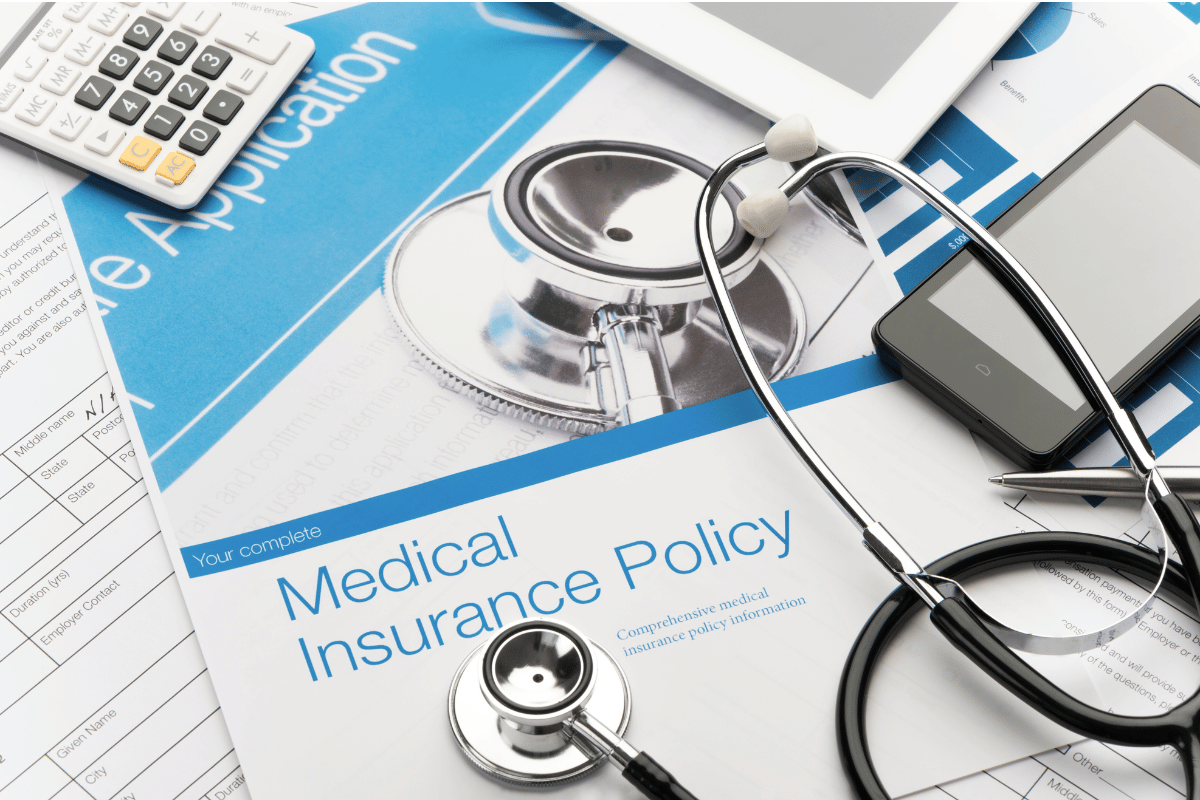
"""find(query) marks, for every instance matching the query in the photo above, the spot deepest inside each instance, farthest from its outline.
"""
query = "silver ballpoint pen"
(1102, 482)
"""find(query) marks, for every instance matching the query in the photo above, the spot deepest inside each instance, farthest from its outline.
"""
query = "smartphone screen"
(1111, 245)
(1112, 237)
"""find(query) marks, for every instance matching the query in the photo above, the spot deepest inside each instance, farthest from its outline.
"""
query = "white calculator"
(158, 97)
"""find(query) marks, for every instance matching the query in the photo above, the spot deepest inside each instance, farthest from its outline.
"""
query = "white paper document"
(103, 692)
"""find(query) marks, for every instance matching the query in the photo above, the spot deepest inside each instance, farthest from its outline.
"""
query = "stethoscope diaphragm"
(571, 296)
(510, 699)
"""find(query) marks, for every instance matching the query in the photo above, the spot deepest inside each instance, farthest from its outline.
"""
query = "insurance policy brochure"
(347, 527)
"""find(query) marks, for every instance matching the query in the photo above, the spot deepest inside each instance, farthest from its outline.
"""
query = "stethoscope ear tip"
(791, 139)
(763, 211)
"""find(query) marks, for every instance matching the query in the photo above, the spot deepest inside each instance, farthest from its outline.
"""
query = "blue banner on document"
(492, 480)
(233, 295)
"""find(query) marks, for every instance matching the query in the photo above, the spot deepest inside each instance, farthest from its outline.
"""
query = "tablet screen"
(859, 45)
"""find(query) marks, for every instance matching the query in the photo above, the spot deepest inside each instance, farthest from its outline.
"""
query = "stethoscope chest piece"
(511, 696)
(571, 296)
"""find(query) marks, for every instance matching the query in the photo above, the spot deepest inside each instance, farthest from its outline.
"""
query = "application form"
(103, 691)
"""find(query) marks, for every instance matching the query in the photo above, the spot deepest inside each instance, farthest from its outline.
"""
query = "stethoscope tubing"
(1176, 727)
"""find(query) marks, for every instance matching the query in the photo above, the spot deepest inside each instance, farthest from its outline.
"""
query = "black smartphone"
(1113, 236)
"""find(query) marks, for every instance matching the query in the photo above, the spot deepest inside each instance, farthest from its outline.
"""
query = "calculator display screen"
(16, 22)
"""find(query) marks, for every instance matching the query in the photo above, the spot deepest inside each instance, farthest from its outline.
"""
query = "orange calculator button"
(140, 153)
(174, 169)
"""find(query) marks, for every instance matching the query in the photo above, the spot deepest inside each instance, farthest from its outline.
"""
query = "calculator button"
(70, 123)
(153, 77)
(129, 107)
(34, 108)
(223, 107)
(245, 79)
(9, 93)
(118, 62)
(30, 67)
(94, 93)
(211, 62)
(84, 50)
(163, 122)
(188, 91)
(164, 11)
(253, 39)
(199, 20)
(52, 37)
(104, 140)
(174, 169)
(142, 33)
(107, 19)
(199, 138)
(177, 48)
(140, 153)
(43, 29)
(60, 79)
(75, 12)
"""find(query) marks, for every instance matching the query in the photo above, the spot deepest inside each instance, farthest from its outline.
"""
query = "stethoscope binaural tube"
(984, 640)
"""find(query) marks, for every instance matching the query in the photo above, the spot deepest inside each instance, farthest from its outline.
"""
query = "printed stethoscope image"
(541, 704)
(584, 305)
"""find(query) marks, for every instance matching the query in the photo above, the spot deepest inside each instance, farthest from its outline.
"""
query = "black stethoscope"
(541, 704)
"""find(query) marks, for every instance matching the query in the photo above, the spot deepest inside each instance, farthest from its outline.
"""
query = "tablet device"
(1111, 236)
(870, 76)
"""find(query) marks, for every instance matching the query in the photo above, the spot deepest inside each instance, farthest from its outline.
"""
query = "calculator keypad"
(108, 18)
(94, 93)
(174, 169)
(126, 88)
(28, 67)
(223, 106)
(164, 122)
(75, 12)
(50, 35)
(164, 11)
(188, 92)
(140, 153)
(9, 92)
(69, 123)
(199, 20)
(211, 62)
(129, 107)
(177, 47)
(84, 48)
(153, 77)
(103, 140)
(199, 138)
(142, 33)
(35, 107)
(60, 79)
(118, 62)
